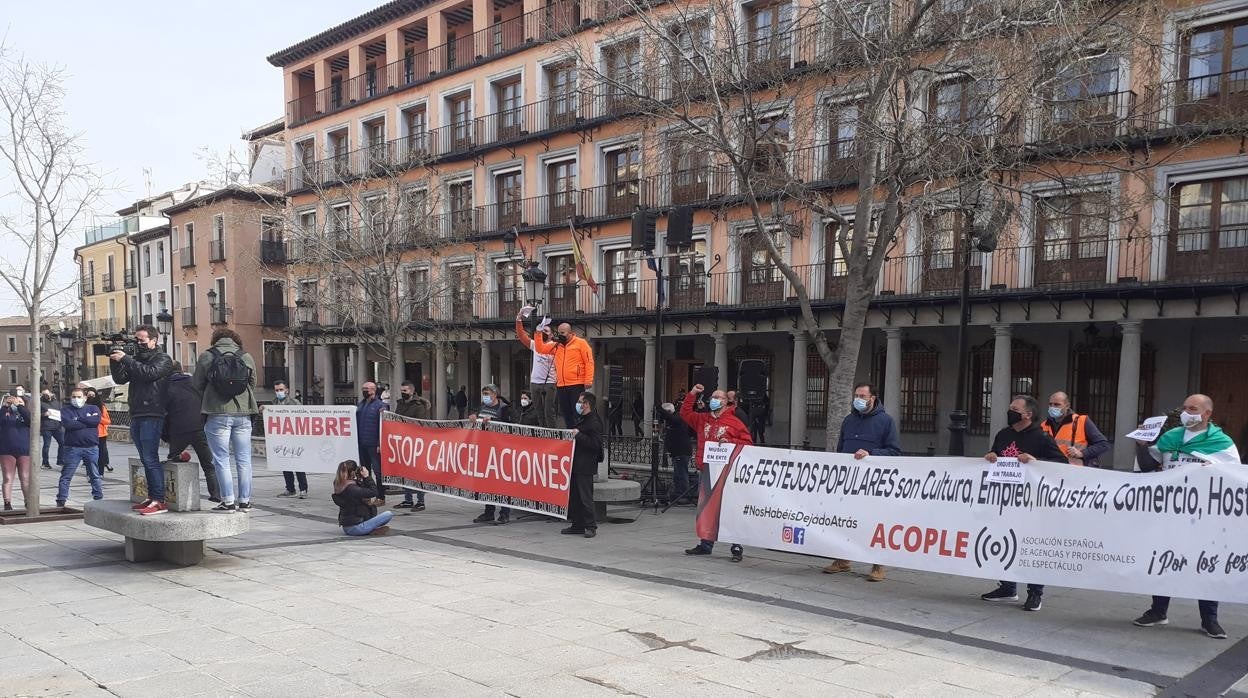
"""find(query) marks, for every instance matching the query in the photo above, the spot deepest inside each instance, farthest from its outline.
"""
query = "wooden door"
(680, 373)
(1221, 378)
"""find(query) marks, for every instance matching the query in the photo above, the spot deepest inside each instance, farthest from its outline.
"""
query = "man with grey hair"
(493, 406)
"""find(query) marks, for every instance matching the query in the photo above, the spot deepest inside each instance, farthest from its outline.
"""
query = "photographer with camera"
(355, 493)
(14, 446)
(144, 367)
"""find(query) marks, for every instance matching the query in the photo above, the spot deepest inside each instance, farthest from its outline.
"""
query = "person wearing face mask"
(50, 429)
(574, 369)
(585, 459)
(719, 425)
(14, 446)
(1074, 433)
(368, 422)
(543, 381)
(678, 442)
(184, 427)
(282, 396)
(145, 373)
(528, 413)
(412, 406)
(493, 406)
(866, 431)
(1200, 442)
(1025, 440)
(81, 422)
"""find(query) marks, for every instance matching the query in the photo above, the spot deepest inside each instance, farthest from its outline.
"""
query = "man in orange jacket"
(574, 367)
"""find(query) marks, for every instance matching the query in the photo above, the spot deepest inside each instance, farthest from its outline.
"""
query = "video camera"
(121, 343)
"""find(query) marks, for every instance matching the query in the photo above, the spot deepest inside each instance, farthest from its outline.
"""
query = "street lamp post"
(164, 323)
(212, 304)
(984, 241)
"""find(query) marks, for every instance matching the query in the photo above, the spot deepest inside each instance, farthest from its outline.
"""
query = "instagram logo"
(793, 535)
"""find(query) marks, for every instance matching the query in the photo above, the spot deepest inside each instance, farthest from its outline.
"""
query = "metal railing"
(273, 252)
(86, 287)
(187, 256)
(216, 250)
(1210, 99)
(219, 314)
(275, 316)
(188, 317)
(131, 279)
(106, 282)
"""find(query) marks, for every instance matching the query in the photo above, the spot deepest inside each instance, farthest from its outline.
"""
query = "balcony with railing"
(131, 279)
(187, 256)
(188, 317)
(216, 250)
(273, 252)
(219, 314)
(86, 287)
(106, 283)
(275, 316)
(1211, 99)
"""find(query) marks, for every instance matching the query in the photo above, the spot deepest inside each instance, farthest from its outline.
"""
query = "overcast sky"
(152, 82)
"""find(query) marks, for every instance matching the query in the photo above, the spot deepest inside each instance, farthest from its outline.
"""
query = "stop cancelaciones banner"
(309, 438)
(1176, 532)
(510, 465)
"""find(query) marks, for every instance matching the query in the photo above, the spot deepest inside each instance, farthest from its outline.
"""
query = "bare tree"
(51, 190)
(876, 118)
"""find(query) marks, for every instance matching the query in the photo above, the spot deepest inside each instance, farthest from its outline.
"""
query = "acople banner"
(511, 465)
(1178, 532)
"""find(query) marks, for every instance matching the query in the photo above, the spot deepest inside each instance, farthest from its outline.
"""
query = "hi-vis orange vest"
(1070, 434)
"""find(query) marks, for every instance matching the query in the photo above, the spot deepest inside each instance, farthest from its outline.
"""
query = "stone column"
(504, 373)
(322, 368)
(721, 359)
(797, 391)
(438, 385)
(892, 372)
(1127, 416)
(486, 371)
(361, 365)
(1002, 376)
(647, 379)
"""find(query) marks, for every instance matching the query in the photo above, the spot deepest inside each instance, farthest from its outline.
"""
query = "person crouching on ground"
(355, 493)
(718, 425)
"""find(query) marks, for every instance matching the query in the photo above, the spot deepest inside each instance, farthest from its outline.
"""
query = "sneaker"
(418, 506)
(8, 506)
(1000, 594)
(215, 500)
(1212, 629)
(405, 504)
(61, 505)
(141, 505)
(591, 532)
(1033, 602)
(153, 509)
(244, 506)
(572, 531)
(108, 468)
(45, 466)
(484, 518)
(737, 553)
(224, 508)
(837, 565)
(1151, 618)
(287, 493)
(698, 549)
(877, 573)
(303, 494)
(502, 521)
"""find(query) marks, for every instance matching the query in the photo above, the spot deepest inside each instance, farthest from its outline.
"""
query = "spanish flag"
(582, 267)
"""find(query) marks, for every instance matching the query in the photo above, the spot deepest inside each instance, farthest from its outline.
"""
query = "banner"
(1178, 532)
(309, 438)
(512, 465)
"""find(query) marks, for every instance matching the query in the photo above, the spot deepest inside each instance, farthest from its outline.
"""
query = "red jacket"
(726, 427)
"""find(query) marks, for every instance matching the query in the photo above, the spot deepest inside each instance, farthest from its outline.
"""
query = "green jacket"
(244, 404)
(288, 401)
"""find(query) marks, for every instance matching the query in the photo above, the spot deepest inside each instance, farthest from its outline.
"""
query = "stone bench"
(177, 536)
(614, 492)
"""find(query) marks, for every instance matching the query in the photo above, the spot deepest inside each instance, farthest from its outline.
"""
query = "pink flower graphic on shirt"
(1011, 451)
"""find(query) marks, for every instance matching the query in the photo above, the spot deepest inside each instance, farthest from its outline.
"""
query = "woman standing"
(14, 446)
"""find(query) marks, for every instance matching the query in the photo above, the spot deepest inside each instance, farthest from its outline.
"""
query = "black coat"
(144, 374)
(677, 436)
(1032, 441)
(354, 502)
(589, 447)
(529, 416)
(183, 405)
(48, 425)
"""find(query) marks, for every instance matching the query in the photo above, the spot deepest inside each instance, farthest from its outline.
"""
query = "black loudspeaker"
(708, 377)
(643, 230)
(752, 379)
(680, 227)
(615, 385)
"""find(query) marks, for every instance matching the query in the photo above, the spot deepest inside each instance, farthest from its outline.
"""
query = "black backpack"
(228, 374)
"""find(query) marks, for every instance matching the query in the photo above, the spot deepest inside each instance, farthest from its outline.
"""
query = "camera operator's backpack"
(228, 374)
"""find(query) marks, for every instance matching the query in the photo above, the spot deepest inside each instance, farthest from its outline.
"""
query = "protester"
(759, 413)
(282, 397)
(81, 422)
(1075, 434)
(50, 429)
(639, 416)
(226, 376)
(1025, 440)
(586, 456)
(355, 494)
(145, 373)
(93, 398)
(574, 369)
(719, 425)
(461, 400)
(527, 413)
(1202, 442)
(184, 427)
(493, 406)
(368, 423)
(678, 442)
(543, 381)
(415, 407)
(866, 431)
(737, 409)
(14, 447)
(615, 417)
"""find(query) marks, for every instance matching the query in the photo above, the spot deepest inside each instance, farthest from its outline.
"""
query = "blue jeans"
(48, 436)
(680, 476)
(420, 496)
(367, 527)
(226, 433)
(145, 433)
(75, 455)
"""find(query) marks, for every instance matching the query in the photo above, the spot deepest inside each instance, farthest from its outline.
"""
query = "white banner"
(309, 438)
(1177, 532)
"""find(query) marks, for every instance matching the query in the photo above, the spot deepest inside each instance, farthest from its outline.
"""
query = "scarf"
(1211, 440)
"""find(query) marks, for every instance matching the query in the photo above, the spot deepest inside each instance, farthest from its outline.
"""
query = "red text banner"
(510, 465)
(309, 438)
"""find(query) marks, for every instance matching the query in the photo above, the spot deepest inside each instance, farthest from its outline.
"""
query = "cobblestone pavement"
(446, 607)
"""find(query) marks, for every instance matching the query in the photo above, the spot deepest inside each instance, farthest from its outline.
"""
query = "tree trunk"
(395, 349)
(844, 371)
(31, 495)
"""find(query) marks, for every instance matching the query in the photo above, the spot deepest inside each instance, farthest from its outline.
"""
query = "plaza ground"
(446, 607)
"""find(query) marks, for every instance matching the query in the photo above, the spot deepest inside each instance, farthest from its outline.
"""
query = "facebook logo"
(793, 535)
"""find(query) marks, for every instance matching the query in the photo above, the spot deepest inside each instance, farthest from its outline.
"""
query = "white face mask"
(281, 394)
(19, 392)
(1190, 420)
(78, 401)
(525, 402)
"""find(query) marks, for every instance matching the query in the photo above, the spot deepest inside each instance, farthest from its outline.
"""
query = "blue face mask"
(860, 404)
(487, 400)
(1055, 412)
(580, 408)
(716, 403)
